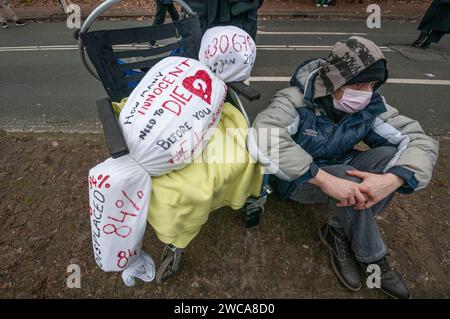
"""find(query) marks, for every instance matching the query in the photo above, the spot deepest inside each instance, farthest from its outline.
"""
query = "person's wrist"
(320, 178)
(394, 180)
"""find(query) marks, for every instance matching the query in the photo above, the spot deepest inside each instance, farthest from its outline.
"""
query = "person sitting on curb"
(4, 5)
(314, 125)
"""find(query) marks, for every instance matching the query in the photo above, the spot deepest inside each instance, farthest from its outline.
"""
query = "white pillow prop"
(166, 121)
(229, 52)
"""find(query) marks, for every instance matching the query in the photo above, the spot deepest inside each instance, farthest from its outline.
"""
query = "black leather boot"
(426, 43)
(422, 36)
(342, 258)
(391, 283)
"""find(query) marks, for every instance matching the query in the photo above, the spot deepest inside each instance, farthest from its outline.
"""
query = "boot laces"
(343, 248)
(384, 265)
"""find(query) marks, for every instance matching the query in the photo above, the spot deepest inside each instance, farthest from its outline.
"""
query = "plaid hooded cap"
(347, 59)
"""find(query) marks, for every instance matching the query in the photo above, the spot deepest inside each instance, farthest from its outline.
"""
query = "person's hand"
(347, 193)
(376, 186)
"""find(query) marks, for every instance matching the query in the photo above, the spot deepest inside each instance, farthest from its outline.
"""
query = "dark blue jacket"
(330, 142)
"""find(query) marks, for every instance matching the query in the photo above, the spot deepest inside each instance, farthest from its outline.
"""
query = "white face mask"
(352, 101)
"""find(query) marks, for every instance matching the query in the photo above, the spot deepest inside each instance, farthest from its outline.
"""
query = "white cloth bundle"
(229, 52)
(166, 122)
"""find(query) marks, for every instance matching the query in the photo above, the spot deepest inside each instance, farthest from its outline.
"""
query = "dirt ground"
(45, 227)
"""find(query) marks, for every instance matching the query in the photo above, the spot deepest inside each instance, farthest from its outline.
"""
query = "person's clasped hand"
(375, 187)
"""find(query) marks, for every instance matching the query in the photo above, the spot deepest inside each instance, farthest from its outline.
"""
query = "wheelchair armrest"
(114, 138)
(246, 91)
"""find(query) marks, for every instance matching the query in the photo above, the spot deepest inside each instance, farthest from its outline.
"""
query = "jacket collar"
(304, 77)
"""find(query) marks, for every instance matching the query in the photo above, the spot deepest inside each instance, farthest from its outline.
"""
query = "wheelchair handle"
(241, 107)
(108, 3)
(98, 11)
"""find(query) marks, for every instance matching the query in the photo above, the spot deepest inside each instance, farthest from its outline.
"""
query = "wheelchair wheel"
(76, 34)
(252, 212)
(171, 264)
(165, 253)
(253, 216)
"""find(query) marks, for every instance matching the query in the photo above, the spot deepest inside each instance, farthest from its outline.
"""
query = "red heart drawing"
(199, 84)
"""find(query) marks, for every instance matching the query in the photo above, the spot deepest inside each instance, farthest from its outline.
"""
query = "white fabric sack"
(168, 117)
(166, 122)
(119, 192)
(229, 52)
(142, 268)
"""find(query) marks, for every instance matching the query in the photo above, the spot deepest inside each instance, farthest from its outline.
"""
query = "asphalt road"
(44, 87)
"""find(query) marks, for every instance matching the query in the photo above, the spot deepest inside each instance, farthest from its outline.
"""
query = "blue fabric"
(408, 176)
(330, 143)
(264, 183)
(327, 141)
(374, 140)
(178, 52)
(294, 81)
(310, 174)
(130, 85)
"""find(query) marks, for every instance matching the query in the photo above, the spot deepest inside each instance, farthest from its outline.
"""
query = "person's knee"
(384, 154)
(388, 152)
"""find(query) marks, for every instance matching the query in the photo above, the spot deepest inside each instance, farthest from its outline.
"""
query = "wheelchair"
(120, 58)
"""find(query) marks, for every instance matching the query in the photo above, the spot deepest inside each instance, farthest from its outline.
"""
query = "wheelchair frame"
(108, 69)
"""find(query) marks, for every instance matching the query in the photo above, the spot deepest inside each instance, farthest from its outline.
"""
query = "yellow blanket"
(225, 175)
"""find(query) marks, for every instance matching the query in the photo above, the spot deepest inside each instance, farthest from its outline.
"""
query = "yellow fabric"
(225, 175)
(118, 106)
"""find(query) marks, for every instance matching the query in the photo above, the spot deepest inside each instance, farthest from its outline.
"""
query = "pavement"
(284, 9)
(44, 86)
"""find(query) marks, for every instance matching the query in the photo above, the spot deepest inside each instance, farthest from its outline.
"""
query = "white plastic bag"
(229, 52)
(166, 122)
